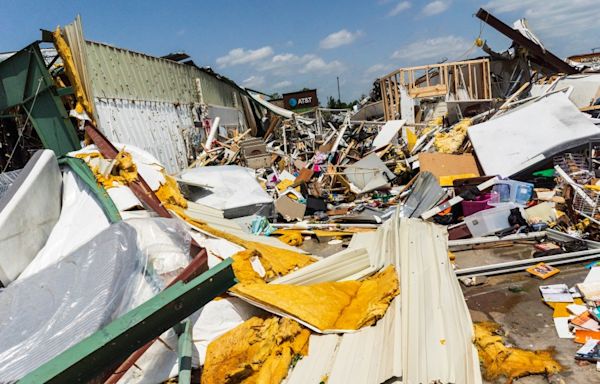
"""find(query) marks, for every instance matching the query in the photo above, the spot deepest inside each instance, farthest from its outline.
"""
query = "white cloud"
(400, 7)
(282, 84)
(239, 56)
(556, 18)
(254, 81)
(339, 38)
(436, 7)
(286, 64)
(320, 66)
(378, 69)
(433, 49)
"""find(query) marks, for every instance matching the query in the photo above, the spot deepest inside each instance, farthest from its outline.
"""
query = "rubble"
(205, 231)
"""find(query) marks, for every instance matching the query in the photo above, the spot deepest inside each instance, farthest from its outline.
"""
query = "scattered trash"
(321, 244)
(543, 271)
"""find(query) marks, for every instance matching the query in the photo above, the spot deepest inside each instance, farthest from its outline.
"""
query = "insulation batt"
(499, 360)
(451, 141)
(259, 351)
(276, 261)
(347, 305)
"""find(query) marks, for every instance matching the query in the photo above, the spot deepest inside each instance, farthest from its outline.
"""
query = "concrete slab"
(514, 301)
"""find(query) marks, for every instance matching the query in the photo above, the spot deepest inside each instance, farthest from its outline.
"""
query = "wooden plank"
(546, 57)
(434, 90)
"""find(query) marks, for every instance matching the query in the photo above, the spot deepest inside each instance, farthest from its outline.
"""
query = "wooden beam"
(546, 57)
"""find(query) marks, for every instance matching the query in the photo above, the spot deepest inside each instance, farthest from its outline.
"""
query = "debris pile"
(205, 231)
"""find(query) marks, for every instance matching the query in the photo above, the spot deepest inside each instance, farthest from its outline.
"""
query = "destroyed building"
(160, 222)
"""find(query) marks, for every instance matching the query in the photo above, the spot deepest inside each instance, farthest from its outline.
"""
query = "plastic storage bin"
(512, 191)
(490, 221)
(482, 202)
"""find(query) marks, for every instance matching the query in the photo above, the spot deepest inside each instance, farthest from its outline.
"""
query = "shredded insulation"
(293, 238)
(64, 51)
(347, 305)
(274, 262)
(259, 351)
(499, 360)
(450, 142)
(111, 173)
(169, 193)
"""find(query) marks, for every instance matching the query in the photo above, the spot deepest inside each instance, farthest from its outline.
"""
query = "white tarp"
(81, 218)
(28, 211)
(530, 134)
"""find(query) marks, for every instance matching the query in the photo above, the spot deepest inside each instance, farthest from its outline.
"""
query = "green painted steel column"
(87, 176)
(185, 345)
(26, 82)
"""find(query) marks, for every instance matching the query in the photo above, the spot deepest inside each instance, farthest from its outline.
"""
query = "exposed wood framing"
(473, 76)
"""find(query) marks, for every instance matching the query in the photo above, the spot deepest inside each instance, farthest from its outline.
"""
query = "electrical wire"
(24, 125)
(474, 45)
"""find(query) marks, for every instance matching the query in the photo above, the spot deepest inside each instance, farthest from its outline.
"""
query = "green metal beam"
(65, 91)
(26, 82)
(185, 345)
(88, 359)
(87, 176)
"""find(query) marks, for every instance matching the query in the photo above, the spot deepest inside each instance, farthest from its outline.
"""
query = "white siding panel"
(161, 128)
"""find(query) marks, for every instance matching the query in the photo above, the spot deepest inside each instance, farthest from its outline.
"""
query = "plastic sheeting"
(166, 244)
(58, 306)
(7, 179)
(50, 311)
(369, 173)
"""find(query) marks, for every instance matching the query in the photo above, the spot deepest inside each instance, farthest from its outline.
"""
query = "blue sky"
(281, 46)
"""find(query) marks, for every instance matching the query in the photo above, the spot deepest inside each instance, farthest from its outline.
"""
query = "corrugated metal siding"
(123, 74)
(161, 128)
(147, 101)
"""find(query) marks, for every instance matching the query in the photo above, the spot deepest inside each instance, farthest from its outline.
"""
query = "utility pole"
(338, 82)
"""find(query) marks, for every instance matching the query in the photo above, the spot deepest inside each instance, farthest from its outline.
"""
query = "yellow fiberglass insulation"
(276, 261)
(451, 141)
(64, 51)
(499, 360)
(292, 238)
(169, 193)
(346, 305)
(258, 351)
(123, 171)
